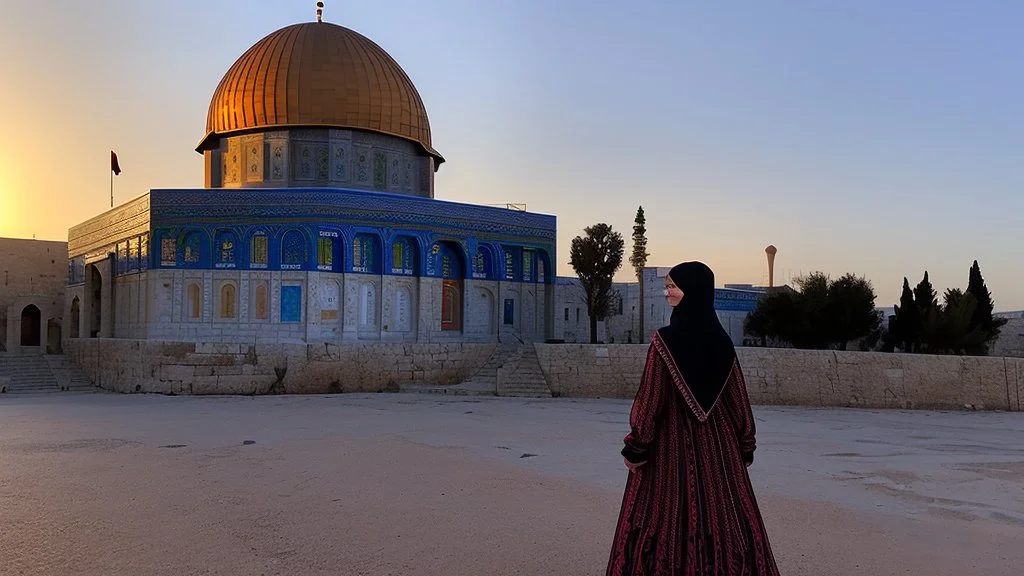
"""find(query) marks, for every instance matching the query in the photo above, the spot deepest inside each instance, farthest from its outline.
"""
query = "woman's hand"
(633, 467)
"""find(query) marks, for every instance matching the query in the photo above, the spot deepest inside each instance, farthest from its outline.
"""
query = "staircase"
(522, 376)
(486, 378)
(69, 377)
(35, 373)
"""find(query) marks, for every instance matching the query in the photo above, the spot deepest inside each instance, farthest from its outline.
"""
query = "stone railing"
(808, 377)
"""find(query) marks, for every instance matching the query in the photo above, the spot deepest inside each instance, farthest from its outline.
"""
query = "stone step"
(39, 373)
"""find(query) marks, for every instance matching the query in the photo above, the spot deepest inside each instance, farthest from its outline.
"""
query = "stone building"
(32, 293)
(317, 223)
(622, 326)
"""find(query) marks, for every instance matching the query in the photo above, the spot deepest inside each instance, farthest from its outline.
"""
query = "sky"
(880, 138)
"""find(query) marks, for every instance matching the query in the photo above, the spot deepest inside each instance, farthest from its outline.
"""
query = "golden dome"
(317, 75)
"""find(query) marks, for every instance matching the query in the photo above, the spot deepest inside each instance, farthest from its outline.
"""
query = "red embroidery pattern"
(690, 510)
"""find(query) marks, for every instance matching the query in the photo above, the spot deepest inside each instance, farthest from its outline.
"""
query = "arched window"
(192, 248)
(228, 300)
(195, 301)
(261, 303)
(224, 250)
(258, 251)
(404, 256)
(293, 251)
(366, 254)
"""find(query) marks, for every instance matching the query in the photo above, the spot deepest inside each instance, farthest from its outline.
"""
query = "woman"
(689, 507)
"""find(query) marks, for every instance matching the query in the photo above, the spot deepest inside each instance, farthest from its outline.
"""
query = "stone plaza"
(384, 484)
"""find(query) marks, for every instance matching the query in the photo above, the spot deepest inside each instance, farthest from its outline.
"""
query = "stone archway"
(31, 326)
(452, 266)
(451, 305)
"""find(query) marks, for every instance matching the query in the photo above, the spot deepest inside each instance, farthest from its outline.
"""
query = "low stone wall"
(808, 377)
(215, 368)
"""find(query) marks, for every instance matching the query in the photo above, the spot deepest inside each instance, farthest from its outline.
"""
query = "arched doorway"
(75, 318)
(31, 330)
(487, 305)
(452, 268)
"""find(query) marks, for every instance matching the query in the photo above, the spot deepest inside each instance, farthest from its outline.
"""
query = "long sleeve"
(647, 407)
(737, 406)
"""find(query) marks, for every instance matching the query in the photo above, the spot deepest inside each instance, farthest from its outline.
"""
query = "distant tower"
(770, 251)
(319, 11)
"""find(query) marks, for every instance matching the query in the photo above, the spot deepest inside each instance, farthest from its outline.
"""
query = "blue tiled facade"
(334, 230)
(731, 300)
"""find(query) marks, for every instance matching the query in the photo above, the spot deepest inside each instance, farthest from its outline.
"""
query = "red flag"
(113, 163)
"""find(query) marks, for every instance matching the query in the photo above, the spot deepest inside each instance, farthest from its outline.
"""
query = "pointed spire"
(319, 12)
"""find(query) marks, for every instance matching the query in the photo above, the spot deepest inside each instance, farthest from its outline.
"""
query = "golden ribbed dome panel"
(317, 75)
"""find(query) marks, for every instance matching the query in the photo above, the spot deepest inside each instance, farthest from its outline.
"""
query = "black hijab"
(702, 350)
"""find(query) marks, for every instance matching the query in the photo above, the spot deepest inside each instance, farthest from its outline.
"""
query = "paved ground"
(427, 485)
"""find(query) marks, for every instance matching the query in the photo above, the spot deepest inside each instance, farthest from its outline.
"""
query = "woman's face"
(672, 292)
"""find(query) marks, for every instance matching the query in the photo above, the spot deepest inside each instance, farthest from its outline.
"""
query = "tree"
(823, 314)
(851, 310)
(906, 325)
(948, 330)
(925, 297)
(639, 259)
(775, 318)
(812, 329)
(982, 317)
(596, 257)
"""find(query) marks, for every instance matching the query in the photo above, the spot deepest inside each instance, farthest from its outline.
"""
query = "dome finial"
(319, 11)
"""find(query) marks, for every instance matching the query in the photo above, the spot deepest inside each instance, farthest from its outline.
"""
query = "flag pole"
(111, 187)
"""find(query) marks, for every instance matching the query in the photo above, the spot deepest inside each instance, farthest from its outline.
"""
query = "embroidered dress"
(689, 509)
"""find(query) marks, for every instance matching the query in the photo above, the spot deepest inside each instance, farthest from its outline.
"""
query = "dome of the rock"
(317, 75)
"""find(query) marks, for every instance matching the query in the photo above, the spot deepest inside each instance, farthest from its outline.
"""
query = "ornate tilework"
(403, 257)
(449, 260)
(510, 266)
(291, 303)
(736, 300)
(340, 156)
(234, 162)
(362, 165)
(168, 251)
(224, 247)
(191, 249)
(259, 254)
(395, 171)
(323, 160)
(366, 254)
(304, 163)
(325, 253)
(182, 207)
(380, 170)
(293, 251)
(99, 234)
(254, 158)
(277, 161)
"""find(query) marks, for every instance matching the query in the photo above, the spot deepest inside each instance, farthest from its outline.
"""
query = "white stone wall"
(159, 305)
(124, 365)
(32, 272)
(808, 377)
